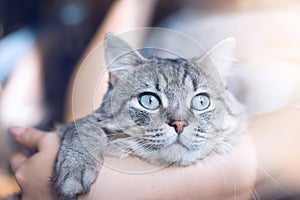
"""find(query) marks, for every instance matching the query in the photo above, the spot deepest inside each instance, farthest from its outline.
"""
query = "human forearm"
(230, 176)
(276, 138)
(124, 15)
(220, 177)
(268, 154)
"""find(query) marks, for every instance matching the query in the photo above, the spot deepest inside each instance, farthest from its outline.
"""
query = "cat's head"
(169, 110)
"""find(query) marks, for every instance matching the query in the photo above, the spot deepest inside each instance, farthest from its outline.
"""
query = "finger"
(50, 143)
(17, 160)
(27, 137)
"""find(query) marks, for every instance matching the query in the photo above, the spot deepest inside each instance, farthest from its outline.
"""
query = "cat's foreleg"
(80, 157)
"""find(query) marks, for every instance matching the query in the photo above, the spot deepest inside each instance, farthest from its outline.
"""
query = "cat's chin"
(175, 154)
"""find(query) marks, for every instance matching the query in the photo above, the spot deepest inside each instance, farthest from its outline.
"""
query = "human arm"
(277, 144)
(223, 176)
(204, 180)
(218, 177)
(264, 163)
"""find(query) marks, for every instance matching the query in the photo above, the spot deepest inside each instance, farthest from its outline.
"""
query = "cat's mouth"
(161, 146)
(178, 142)
(188, 144)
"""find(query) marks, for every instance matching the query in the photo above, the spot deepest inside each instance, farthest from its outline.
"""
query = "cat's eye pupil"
(149, 101)
(200, 102)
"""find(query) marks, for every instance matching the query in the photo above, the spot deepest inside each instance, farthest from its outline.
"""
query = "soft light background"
(41, 42)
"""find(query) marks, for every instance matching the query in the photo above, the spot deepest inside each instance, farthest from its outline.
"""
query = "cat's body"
(164, 111)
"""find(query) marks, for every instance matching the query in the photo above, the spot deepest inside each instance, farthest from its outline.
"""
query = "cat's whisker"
(137, 147)
(118, 141)
(231, 174)
(145, 145)
(272, 180)
(94, 194)
(123, 139)
(253, 192)
(210, 160)
(119, 135)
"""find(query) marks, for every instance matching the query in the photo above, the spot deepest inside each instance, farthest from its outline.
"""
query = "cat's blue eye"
(149, 101)
(200, 102)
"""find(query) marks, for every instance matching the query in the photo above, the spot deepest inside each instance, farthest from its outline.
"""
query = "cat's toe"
(73, 181)
(71, 188)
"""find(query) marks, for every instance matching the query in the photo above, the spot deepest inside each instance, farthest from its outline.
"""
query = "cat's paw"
(79, 158)
(73, 175)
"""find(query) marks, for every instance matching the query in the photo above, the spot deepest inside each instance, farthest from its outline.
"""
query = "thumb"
(27, 137)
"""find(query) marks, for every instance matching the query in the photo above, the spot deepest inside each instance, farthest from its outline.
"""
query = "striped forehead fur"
(177, 71)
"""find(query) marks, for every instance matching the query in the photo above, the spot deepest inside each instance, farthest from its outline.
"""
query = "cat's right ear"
(120, 57)
(222, 56)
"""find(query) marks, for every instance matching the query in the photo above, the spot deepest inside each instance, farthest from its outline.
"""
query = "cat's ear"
(222, 56)
(120, 57)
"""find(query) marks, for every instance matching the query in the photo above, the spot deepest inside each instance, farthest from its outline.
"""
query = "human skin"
(33, 173)
(219, 177)
(277, 143)
(216, 178)
(229, 176)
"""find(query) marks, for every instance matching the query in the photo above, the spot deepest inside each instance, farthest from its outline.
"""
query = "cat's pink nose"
(178, 125)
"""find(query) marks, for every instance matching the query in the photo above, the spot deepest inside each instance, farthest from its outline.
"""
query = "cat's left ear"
(120, 57)
(222, 57)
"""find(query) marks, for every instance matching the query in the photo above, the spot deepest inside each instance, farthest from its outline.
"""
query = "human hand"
(33, 172)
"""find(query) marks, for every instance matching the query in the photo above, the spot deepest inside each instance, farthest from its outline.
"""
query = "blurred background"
(41, 42)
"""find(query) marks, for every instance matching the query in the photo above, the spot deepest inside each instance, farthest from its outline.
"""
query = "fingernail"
(17, 130)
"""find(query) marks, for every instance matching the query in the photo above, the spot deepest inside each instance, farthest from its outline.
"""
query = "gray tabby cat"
(164, 111)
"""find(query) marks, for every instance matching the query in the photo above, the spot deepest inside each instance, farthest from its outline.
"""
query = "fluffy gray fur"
(124, 127)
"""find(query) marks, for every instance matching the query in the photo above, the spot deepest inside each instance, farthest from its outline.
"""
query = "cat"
(164, 111)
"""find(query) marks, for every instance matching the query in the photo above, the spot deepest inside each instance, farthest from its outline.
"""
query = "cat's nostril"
(178, 125)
